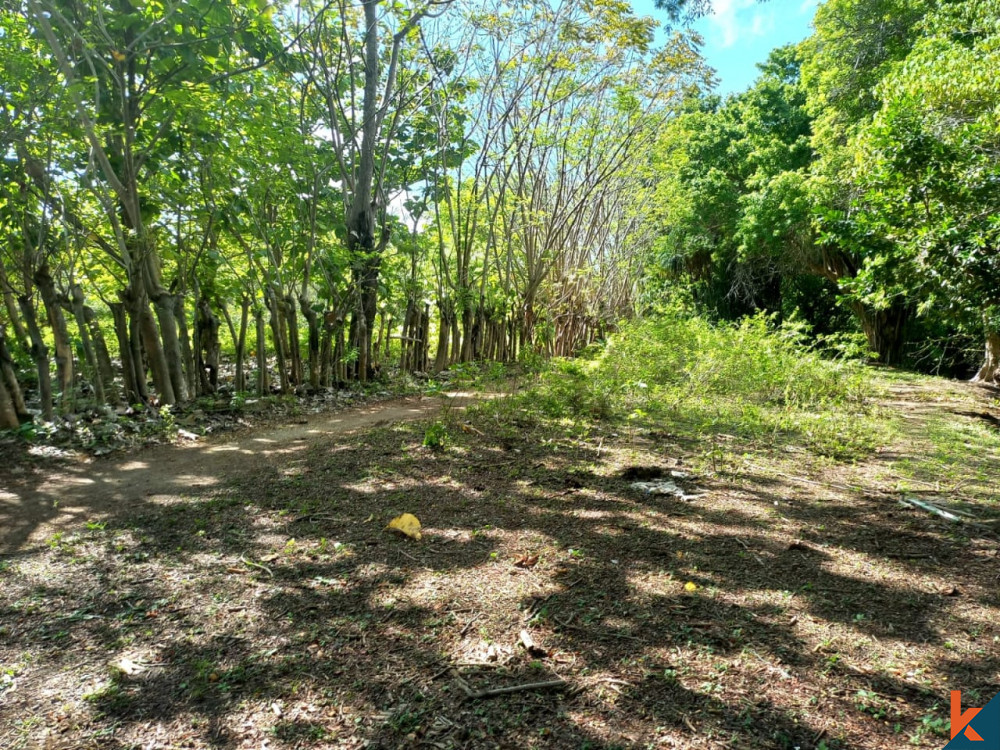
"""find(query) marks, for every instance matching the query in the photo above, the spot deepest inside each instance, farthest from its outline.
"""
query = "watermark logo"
(974, 727)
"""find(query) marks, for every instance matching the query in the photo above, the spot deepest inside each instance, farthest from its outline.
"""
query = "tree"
(855, 44)
(131, 76)
(931, 159)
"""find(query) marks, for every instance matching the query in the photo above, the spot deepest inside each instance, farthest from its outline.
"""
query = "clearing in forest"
(243, 592)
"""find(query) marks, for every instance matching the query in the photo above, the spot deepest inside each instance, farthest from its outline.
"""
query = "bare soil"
(245, 593)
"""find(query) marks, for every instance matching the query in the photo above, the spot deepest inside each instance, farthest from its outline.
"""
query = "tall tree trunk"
(89, 353)
(200, 382)
(326, 349)
(444, 326)
(9, 375)
(377, 343)
(39, 353)
(456, 339)
(291, 321)
(274, 308)
(262, 384)
(990, 371)
(165, 304)
(104, 365)
(424, 338)
(339, 352)
(366, 309)
(467, 333)
(10, 302)
(406, 338)
(312, 323)
(241, 346)
(130, 368)
(209, 348)
(144, 324)
(60, 332)
(187, 353)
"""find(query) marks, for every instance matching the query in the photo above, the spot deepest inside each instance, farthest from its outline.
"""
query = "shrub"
(753, 379)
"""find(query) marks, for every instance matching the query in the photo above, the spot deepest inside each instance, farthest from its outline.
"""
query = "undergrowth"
(751, 380)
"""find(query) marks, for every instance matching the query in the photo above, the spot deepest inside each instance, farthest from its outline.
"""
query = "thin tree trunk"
(274, 308)
(130, 368)
(441, 358)
(198, 372)
(312, 323)
(339, 352)
(89, 353)
(405, 339)
(104, 365)
(145, 324)
(326, 349)
(425, 335)
(291, 320)
(241, 346)
(209, 350)
(262, 384)
(60, 332)
(467, 334)
(164, 304)
(10, 302)
(456, 340)
(187, 353)
(39, 353)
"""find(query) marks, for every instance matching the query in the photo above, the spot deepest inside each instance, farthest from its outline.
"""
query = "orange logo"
(960, 721)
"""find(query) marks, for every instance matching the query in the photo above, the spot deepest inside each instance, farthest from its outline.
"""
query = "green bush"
(436, 436)
(751, 379)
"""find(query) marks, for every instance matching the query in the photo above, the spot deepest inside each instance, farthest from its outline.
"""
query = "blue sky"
(740, 33)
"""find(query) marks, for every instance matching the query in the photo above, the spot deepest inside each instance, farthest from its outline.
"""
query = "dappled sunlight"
(254, 601)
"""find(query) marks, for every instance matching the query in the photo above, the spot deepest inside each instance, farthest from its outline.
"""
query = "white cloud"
(737, 20)
(808, 7)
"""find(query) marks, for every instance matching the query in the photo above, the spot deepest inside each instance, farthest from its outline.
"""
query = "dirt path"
(34, 504)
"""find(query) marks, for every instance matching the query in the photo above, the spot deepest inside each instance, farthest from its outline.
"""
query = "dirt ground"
(244, 592)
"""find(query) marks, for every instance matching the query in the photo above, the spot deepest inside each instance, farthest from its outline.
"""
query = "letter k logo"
(960, 721)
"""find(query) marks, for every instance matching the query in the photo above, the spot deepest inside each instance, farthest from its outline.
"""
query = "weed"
(436, 436)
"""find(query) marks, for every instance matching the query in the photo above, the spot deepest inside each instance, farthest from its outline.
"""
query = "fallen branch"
(912, 501)
(947, 515)
(527, 687)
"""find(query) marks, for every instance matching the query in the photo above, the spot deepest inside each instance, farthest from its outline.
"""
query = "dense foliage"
(748, 382)
(858, 175)
(228, 196)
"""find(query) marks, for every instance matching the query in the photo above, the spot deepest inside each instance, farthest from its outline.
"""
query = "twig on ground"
(529, 686)
(441, 672)
(252, 564)
(753, 554)
(407, 554)
(469, 624)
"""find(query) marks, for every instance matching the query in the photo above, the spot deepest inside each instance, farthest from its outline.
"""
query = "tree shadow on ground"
(276, 608)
